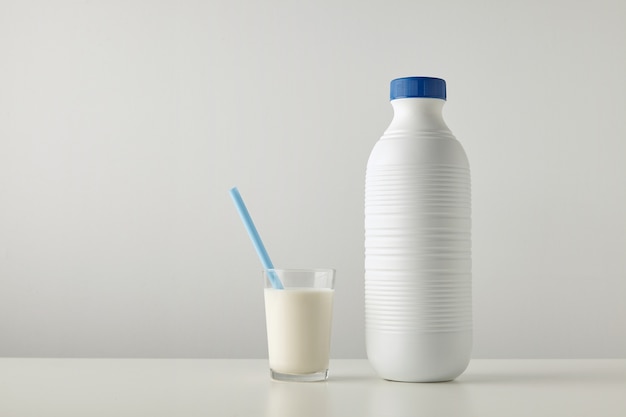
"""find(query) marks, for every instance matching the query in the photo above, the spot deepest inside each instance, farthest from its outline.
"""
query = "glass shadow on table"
(381, 398)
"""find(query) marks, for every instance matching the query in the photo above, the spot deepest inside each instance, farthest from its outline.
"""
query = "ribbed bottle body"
(418, 293)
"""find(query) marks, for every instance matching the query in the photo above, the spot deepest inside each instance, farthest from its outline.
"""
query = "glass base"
(314, 377)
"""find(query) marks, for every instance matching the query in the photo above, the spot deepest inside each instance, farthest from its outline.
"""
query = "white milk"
(298, 329)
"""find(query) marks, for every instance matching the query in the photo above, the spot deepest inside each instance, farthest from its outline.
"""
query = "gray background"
(124, 123)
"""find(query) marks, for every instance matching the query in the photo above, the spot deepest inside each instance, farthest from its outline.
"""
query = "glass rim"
(333, 270)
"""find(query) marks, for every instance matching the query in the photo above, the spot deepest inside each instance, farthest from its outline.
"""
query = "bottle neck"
(417, 114)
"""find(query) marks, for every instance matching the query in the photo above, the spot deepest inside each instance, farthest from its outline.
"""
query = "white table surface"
(232, 387)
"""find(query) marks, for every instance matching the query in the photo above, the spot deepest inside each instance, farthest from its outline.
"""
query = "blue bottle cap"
(425, 87)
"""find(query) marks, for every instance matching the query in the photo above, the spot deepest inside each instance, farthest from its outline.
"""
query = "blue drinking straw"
(256, 239)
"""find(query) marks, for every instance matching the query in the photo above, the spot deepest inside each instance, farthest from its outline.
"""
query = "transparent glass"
(298, 319)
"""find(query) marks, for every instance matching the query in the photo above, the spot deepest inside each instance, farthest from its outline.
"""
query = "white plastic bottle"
(418, 295)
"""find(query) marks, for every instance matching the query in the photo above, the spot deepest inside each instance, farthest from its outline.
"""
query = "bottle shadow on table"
(560, 375)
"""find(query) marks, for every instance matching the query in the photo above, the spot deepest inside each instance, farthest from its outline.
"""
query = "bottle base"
(428, 357)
